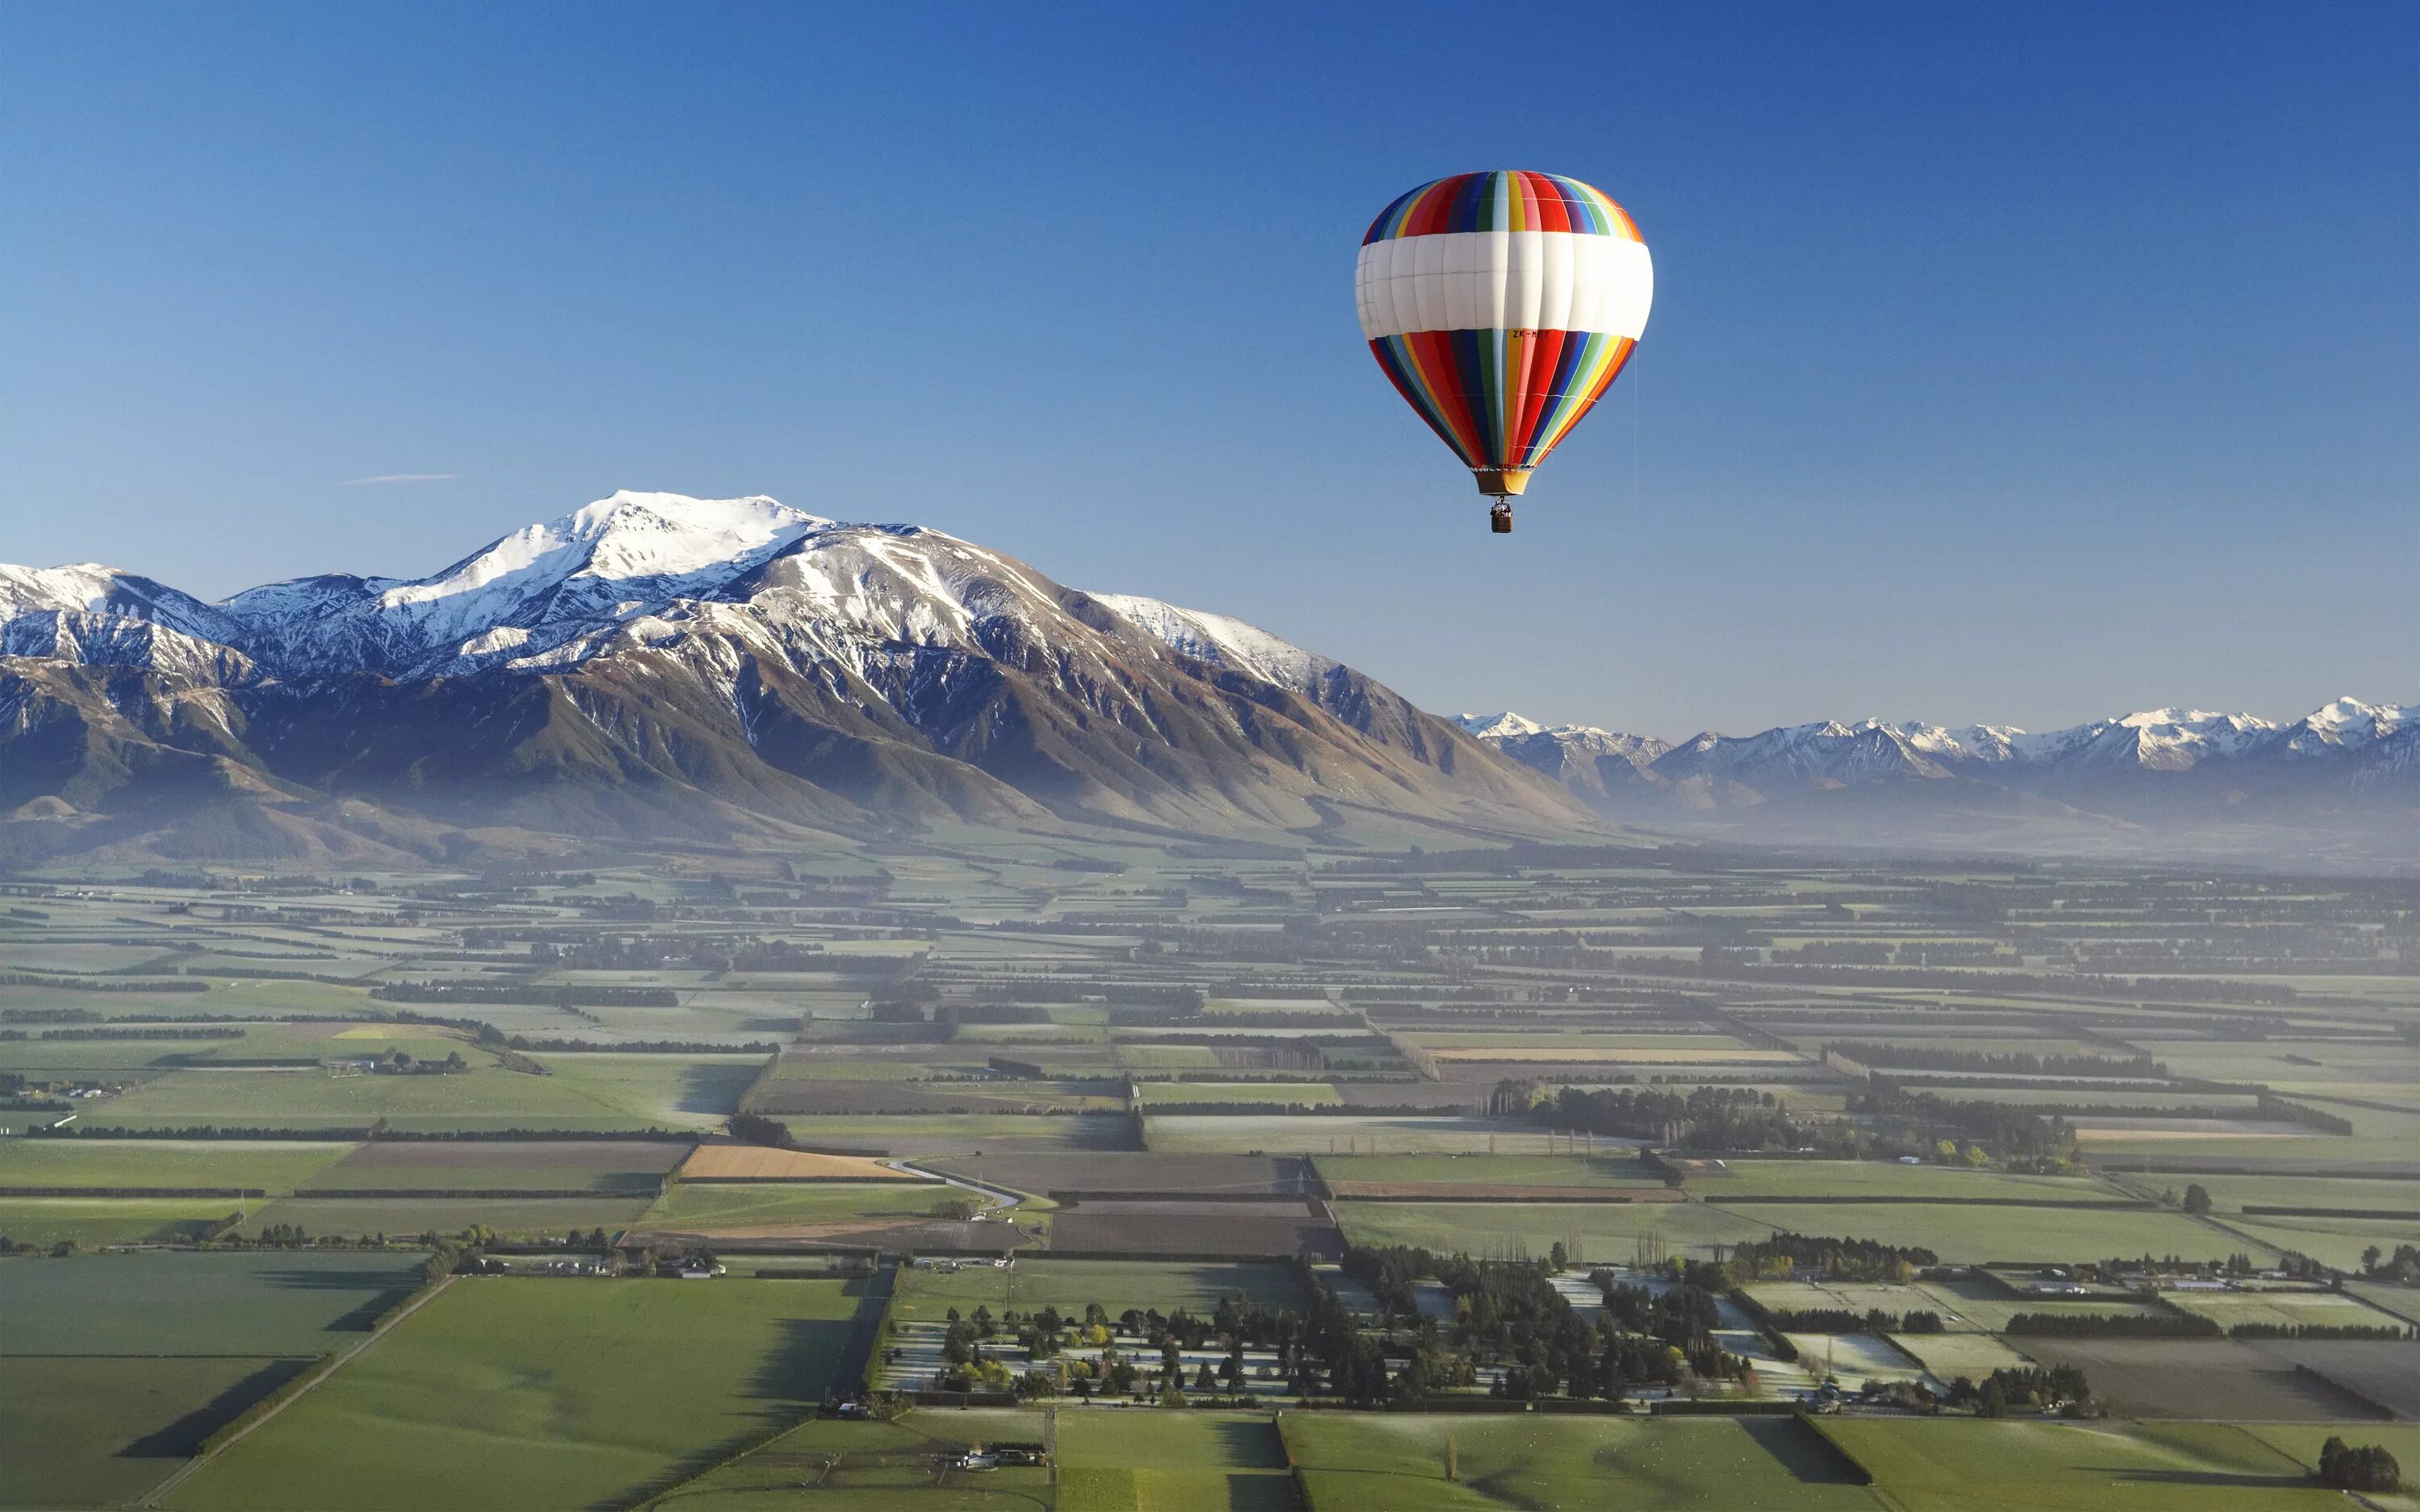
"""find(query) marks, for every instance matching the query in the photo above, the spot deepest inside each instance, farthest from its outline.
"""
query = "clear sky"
(2021, 362)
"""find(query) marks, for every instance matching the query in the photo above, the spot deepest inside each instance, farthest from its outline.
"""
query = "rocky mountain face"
(656, 665)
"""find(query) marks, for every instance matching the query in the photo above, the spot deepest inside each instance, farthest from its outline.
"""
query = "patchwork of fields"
(1272, 1137)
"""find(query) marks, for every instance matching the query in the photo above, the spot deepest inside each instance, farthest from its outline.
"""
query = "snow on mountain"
(1222, 642)
(1526, 740)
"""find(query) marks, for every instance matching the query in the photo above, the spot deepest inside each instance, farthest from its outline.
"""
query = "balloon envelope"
(1503, 306)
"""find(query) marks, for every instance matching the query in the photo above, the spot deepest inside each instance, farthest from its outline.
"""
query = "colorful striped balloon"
(1503, 306)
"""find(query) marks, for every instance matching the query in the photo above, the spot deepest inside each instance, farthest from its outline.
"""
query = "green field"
(737, 1204)
(1308, 1094)
(1617, 1169)
(511, 1217)
(1887, 1179)
(1945, 1465)
(1157, 1461)
(1570, 1464)
(116, 1367)
(1319, 1134)
(542, 1394)
(1969, 1234)
(2287, 1309)
(256, 1302)
(2336, 1241)
(620, 1167)
(1607, 1232)
(272, 1165)
(1117, 1285)
(899, 1466)
(91, 1222)
(89, 1431)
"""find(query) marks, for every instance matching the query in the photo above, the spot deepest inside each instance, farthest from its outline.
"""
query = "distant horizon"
(1407, 685)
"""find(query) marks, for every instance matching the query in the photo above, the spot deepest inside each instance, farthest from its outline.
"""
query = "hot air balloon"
(1503, 306)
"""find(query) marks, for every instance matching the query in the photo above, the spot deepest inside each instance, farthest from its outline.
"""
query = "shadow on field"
(2203, 1477)
(799, 1367)
(1250, 1446)
(178, 1440)
(714, 1086)
(1804, 1452)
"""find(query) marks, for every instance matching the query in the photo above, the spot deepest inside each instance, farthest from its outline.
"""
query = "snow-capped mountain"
(2346, 744)
(656, 664)
(654, 661)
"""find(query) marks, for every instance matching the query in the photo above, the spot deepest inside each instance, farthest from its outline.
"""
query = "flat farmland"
(100, 1431)
(969, 1134)
(91, 1222)
(520, 1393)
(673, 1091)
(702, 1206)
(1038, 1280)
(1949, 1465)
(1966, 1304)
(2210, 1381)
(2284, 1309)
(1307, 1094)
(254, 1303)
(1045, 1172)
(1967, 1233)
(1950, 1356)
(762, 1162)
(484, 1097)
(1885, 1180)
(2336, 1241)
(2231, 1194)
(1178, 1227)
(2379, 1372)
(899, 1466)
(1321, 1134)
(1124, 1461)
(1570, 1464)
(619, 1166)
(1602, 1232)
(272, 1165)
(529, 1217)
(1610, 1171)
(825, 1095)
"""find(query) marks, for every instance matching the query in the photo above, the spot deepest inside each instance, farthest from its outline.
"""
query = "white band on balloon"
(1505, 281)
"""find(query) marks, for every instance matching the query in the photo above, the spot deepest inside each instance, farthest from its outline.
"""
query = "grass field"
(2228, 1194)
(958, 1134)
(717, 1204)
(899, 1466)
(1326, 1134)
(1155, 1462)
(1950, 1356)
(484, 1097)
(260, 1302)
(89, 1431)
(91, 1222)
(1944, 1465)
(621, 1166)
(1116, 1285)
(1309, 1094)
(512, 1217)
(1615, 1169)
(2290, 1309)
(2337, 1241)
(1570, 1464)
(268, 1165)
(1887, 1179)
(1958, 1233)
(540, 1395)
(1592, 1232)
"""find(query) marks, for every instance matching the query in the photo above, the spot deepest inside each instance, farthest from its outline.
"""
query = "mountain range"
(657, 668)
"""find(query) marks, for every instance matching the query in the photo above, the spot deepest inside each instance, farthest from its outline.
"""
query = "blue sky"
(2019, 362)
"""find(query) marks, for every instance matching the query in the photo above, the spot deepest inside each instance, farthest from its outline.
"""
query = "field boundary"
(302, 1386)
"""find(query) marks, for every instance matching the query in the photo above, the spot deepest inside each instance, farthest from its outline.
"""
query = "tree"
(2196, 1199)
(2368, 1468)
(2370, 1256)
(1557, 1259)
